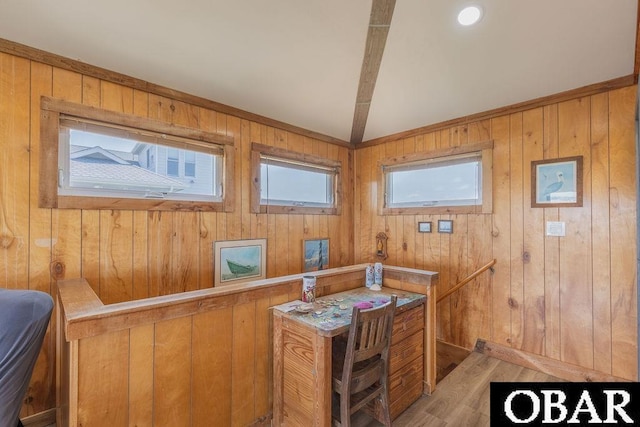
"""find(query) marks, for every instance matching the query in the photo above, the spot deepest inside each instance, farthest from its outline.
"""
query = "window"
(444, 181)
(456, 180)
(288, 182)
(151, 160)
(190, 164)
(98, 160)
(129, 162)
(285, 182)
(172, 162)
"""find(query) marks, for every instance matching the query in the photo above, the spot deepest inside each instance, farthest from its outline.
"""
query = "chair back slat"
(370, 332)
(373, 326)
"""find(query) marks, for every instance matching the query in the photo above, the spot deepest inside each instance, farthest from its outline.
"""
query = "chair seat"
(364, 374)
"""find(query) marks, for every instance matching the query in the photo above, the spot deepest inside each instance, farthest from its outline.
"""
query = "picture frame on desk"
(239, 261)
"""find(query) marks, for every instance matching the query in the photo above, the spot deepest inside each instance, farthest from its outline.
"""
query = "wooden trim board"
(41, 419)
(543, 364)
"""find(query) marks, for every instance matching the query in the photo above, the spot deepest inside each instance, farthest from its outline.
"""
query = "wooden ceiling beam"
(379, 23)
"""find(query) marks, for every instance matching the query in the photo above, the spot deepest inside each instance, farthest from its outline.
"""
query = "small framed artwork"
(424, 227)
(316, 254)
(556, 183)
(238, 261)
(445, 226)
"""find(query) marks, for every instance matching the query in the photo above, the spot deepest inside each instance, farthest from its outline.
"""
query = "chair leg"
(386, 415)
(345, 411)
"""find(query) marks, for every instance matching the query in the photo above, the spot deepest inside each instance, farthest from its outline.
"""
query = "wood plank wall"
(573, 298)
(209, 368)
(129, 255)
(201, 358)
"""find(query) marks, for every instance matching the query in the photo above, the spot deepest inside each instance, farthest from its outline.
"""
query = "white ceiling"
(299, 61)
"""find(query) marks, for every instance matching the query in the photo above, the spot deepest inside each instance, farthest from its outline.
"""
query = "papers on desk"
(289, 306)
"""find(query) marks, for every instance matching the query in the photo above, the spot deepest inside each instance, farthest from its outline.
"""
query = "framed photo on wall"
(445, 226)
(556, 183)
(424, 227)
(238, 261)
(315, 254)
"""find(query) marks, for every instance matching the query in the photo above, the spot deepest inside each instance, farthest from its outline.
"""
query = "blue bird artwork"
(553, 187)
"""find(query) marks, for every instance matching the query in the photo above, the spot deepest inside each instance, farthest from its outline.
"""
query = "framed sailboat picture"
(239, 261)
(316, 254)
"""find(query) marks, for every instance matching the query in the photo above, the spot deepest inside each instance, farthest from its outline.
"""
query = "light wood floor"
(462, 397)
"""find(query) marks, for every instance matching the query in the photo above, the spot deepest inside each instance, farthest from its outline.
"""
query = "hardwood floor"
(462, 397)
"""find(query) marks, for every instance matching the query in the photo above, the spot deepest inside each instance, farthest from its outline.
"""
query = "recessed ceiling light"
(469, 15)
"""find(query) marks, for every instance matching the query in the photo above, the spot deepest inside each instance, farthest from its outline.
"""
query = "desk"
(302, 351)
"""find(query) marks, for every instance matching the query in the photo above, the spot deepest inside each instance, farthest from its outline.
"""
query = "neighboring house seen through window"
(95, 161)
(115, 162)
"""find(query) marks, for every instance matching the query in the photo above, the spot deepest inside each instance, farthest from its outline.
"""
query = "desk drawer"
(405, 387)
(405, 378)
(410, 395)
(405, 351)
(407, 323)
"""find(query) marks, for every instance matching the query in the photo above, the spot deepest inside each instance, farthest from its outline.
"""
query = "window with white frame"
(100, 161)
(294, 182)
(109, 164)
(449, 181)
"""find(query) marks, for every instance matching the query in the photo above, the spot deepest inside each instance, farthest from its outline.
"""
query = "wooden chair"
(360, 371)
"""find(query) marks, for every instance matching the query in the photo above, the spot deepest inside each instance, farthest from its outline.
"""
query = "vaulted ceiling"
(352, 70)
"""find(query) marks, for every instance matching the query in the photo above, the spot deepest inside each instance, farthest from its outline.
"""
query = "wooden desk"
(302, 351)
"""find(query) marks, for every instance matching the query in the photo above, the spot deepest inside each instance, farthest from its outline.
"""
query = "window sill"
(435, 210)
(278, 209)
(75, 202)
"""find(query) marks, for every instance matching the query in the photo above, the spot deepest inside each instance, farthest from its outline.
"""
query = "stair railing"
(466, 280)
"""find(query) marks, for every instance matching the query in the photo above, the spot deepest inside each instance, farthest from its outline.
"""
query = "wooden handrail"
(466, 280)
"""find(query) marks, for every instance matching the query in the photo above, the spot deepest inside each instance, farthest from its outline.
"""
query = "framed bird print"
(556, 183)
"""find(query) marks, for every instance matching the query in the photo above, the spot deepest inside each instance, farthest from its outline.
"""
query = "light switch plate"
(555, 228)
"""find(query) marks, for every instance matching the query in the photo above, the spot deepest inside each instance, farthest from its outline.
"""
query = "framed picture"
(424, 227)
(316, 254)
(445, 226)
(238, 261)
(556, 183)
